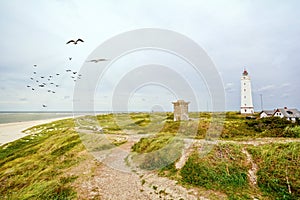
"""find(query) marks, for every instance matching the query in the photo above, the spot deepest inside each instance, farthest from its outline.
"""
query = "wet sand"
(12, 131)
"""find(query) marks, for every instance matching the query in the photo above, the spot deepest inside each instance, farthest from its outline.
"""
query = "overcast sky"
(261, 36)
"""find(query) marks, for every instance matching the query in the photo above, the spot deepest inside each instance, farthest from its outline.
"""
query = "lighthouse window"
(245, 97)
(244, 83)
(244, 90)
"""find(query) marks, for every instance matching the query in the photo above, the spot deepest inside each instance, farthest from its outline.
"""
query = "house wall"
(263, 115)
(278, 114)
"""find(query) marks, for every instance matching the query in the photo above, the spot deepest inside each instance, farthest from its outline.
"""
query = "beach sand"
(12, 131)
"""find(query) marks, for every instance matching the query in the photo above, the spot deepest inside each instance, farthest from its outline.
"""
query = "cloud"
(266, 88)
(23, 99)
(229, 87)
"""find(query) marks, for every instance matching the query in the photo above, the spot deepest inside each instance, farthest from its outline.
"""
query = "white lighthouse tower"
(246, 96)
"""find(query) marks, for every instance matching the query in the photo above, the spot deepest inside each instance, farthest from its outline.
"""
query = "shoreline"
(12, 131)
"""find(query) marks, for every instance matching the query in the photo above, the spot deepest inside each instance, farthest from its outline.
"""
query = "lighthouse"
(246, 96)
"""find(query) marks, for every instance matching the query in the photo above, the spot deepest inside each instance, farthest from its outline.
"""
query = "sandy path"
(12, 131)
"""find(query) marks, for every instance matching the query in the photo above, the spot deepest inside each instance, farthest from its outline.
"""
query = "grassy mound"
(279, 169)
(34, 167)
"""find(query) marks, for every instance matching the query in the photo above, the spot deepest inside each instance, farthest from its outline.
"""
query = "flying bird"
(75, 42)
(34, 72)
(68, 70)
(74, 72)
(57, 74)
(32, 88)
(28, 85)
(44, 106)
(56, 85)
(98, 60)
(35, 65)
(50, 76)
(70, 58)
(31, 78)
(41, 85)
(42, 77)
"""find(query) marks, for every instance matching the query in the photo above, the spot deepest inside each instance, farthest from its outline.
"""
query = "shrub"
(292, 132)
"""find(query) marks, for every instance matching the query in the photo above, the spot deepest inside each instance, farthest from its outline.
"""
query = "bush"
(292, 132)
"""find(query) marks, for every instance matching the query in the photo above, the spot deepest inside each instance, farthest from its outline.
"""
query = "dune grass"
(34, 167)
(279, 169)
(37, 166)
(223, 170)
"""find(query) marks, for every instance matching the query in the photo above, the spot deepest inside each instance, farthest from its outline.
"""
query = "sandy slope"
(12, 131)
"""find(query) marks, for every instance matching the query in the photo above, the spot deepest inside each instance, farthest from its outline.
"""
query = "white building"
(289, 114)
(266, 113)
(246, 96)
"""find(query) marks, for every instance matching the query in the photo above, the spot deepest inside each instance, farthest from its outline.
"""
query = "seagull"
(41, 85)
(37, 81)
(51, 83)
(53, 92)
(70, 58)
(44, 106)
(49, 79)
(56, 85)
(79, 75)
(75, 42)
(34, 72)
(31, 78)
(42, 77)
(49, 90)
(50, 76)
(68, 70)
(74, 72)
(98, 60)
(28, 85)
(57, 74)
(35, 65)
(73, 77)
(32, 88)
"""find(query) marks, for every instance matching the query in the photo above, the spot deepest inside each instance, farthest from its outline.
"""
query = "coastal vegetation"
(42, 165)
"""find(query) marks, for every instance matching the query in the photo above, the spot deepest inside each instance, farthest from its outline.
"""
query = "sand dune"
(12, 131)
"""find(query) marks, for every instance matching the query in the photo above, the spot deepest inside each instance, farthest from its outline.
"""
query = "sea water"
(8, 117)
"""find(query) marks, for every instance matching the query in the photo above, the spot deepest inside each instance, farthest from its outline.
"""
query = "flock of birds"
(48, 82)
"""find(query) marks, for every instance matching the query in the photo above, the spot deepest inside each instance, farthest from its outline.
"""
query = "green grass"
(33, 167)
(36, 166)
(279, 169)
(223, 169)
(158, 151)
